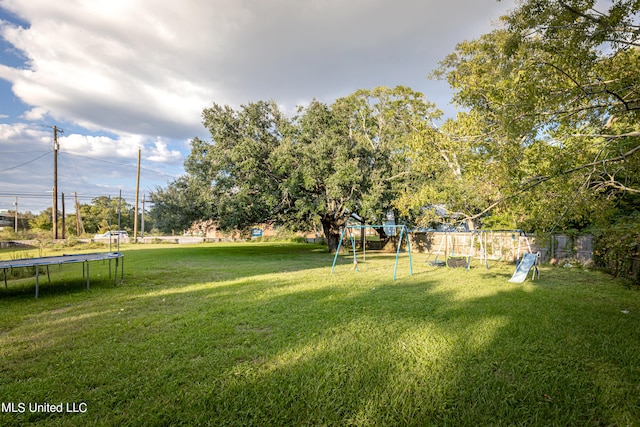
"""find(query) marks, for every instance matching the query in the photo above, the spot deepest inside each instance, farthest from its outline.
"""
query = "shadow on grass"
(285, 343)
(412, 354)
(61, 279)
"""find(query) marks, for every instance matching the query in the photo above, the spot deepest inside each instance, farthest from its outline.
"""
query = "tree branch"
(540, 179)
(398, 175)
(622, 135)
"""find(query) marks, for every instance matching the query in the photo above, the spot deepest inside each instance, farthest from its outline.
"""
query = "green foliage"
(43, 221)
(323, 165)
(177, 206)
(386, 122)
(617, 249)
(554, 100)
(236, 173)
(102, 214)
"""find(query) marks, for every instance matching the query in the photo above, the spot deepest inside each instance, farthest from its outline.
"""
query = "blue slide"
(522, 271)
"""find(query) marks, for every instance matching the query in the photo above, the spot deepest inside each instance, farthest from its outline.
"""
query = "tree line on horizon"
(103, 213)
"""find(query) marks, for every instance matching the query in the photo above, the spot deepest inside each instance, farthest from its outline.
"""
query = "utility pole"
(54, 212)
(119, 215)
(16, 216)
(135, 211)
(64, 225)
(142, 232)
(75, 198)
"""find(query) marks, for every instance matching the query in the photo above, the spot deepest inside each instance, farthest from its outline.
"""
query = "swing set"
(404, 234)
(459, 248)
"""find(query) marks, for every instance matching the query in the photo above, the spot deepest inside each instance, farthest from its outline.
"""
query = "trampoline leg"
(48, 275)
(115, 276)
(37, 271)
(87, 275)
(122, 271)
(5, 277)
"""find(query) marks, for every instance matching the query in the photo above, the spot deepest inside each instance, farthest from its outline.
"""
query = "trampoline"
(64, 259)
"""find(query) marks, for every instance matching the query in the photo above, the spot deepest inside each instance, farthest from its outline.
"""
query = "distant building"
(8, 220)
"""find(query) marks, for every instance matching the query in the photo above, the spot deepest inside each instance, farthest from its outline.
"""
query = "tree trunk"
(382, 233)
(331, 230)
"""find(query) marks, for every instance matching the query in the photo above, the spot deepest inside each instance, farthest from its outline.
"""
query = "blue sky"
(123, 75)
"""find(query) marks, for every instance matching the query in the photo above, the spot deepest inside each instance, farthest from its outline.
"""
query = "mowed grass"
(263, 334)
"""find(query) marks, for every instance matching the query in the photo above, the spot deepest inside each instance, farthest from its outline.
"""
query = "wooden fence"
(504, 245)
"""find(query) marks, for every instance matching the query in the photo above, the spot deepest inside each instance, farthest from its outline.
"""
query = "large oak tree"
(325, 165)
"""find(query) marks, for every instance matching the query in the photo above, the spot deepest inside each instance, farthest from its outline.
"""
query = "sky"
(120, 77)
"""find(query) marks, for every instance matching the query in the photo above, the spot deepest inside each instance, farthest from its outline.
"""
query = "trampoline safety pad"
(65, 259)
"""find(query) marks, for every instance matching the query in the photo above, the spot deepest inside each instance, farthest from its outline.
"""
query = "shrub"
(617, 251)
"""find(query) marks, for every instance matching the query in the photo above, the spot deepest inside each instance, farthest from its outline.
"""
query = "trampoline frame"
(65, 259)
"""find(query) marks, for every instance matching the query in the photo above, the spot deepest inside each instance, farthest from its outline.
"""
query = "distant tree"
(177, 206)
(70, 225)
(24, 220)
(103, 212)
(42, 221)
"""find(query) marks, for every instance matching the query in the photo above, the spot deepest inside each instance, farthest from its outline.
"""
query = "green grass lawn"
(263, 334)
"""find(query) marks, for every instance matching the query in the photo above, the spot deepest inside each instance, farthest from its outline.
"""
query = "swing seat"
(457, 261)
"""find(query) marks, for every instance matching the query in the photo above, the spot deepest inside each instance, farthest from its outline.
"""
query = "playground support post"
(395, 267)
(335, 258)
(403, 232)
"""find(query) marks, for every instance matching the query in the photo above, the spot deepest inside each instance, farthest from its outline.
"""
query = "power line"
(121, 164)
(46, 195)
(26, 163)
(99, 160)
(30, 195)
(22, 152)
(84, 157)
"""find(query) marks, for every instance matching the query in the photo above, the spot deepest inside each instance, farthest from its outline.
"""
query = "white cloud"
(35, 114)
(141, 71)
(150, 66)
(161, 154)
(24, 137)
(124, 147)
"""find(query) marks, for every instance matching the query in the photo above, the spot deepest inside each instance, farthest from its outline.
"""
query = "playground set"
(454, 249)
(349, 230)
